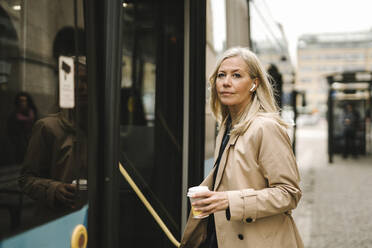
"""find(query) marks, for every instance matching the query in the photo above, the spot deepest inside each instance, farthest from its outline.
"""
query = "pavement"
(336, 207)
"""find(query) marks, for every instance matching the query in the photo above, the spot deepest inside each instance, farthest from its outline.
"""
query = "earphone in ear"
(252, 89)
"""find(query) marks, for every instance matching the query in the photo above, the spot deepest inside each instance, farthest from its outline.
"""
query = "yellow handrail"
(148, 206)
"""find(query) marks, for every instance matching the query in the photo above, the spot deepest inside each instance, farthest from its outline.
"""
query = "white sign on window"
(66, 82)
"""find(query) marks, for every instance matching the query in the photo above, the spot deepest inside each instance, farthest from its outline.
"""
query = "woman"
(255, 179)
(20, 123)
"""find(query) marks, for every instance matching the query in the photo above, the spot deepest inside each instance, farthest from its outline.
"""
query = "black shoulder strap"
(225, 140)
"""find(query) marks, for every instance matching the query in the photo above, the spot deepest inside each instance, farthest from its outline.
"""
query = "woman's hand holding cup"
(205, 202)
(210, 202)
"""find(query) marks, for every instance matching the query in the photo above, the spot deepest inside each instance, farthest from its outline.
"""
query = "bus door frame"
(194, 99)
(103, 42)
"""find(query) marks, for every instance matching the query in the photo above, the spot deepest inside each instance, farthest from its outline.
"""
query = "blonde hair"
(263, 101)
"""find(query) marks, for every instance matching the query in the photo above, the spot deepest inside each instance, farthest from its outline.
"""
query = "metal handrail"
(148, 206)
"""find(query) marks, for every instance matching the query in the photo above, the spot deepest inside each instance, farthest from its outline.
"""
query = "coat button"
(240, 236)
(249, 220)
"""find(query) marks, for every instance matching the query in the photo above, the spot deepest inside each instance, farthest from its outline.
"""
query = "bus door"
(162, 97)
(43, 123)
(151, 119)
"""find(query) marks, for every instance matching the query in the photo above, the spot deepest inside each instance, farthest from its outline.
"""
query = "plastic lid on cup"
(196, 189)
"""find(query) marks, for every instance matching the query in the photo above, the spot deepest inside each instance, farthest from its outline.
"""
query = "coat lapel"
(224, 157)
(232, 141)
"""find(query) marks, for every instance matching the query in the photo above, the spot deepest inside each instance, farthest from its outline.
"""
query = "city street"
(335, 210)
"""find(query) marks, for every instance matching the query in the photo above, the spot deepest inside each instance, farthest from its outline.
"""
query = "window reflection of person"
(20, 124)
(56, 156)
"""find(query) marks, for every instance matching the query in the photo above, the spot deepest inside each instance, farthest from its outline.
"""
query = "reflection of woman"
(20, 123)
(255, 179)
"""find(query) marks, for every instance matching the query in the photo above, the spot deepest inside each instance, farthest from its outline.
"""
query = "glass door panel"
(151, 112)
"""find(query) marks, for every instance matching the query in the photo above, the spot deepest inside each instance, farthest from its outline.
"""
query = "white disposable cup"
(190, 194)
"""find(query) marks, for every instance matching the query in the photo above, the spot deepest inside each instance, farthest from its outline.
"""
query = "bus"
(129, 76)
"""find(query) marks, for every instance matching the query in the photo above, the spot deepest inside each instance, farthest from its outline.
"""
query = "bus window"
(42, 143)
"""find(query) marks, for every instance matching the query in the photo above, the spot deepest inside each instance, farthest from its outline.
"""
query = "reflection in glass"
(34, 132)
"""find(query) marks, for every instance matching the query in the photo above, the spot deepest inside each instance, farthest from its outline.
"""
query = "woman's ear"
(254, 85)
(256, 81)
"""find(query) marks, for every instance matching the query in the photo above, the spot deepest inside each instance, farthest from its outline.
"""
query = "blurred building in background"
(237, 23)
(269, 42)
(322, 54)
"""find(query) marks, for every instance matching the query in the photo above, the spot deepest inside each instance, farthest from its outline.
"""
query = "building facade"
(319, 55)
(269, 42)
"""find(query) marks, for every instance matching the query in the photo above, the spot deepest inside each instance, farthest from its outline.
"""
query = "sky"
(306, 16)
(319, 16)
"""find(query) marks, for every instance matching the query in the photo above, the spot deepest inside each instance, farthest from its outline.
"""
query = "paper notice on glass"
(66, 82)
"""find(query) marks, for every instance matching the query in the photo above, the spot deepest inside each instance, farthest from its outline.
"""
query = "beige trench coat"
(259, 172)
